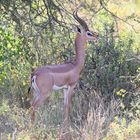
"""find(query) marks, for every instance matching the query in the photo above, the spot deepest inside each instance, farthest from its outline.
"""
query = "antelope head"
(83, 30)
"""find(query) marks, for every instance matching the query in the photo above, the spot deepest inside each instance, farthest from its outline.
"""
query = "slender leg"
(37, 102)
(68, 93)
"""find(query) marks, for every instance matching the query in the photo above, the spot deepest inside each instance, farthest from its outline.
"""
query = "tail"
(35, 87)
(29, 90)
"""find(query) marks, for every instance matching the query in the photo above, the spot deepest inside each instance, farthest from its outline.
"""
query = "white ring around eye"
(88, 33)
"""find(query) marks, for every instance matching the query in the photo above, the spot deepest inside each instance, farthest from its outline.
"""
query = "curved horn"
(81, 21)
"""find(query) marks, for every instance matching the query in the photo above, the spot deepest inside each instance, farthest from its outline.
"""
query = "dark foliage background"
(38, 32)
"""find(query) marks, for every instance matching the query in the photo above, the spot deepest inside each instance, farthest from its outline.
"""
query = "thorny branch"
(26, 15)
(102, 3)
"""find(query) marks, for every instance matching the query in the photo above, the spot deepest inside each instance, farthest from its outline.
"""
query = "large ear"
(76, 29)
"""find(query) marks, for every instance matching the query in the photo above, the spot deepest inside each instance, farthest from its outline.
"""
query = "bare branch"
(114, 15)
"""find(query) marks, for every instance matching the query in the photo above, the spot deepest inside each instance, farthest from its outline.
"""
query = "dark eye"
(89, 34)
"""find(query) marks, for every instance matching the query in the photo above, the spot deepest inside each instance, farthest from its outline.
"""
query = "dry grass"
(101, 123)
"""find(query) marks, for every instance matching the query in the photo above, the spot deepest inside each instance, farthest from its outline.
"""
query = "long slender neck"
(80, 44)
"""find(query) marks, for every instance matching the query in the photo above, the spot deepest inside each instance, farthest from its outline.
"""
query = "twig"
(113, 15)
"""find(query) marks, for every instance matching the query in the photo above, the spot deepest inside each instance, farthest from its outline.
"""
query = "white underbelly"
(55, 87)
